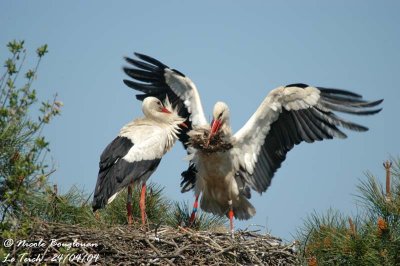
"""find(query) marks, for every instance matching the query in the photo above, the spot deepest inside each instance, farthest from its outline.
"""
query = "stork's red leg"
(142, 204)
(231, 215)
(129, 204)
(195, 206)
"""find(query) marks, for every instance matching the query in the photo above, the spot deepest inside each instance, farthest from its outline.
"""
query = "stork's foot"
(130, 219)
(192, 218)
(145, 225)
(129, 204)
(231, 215)
(129, 211)
(144, 218)
(97, 216)
(142, 205)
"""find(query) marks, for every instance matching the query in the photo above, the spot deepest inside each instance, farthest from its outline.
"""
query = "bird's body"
(218, 186)
(216, 170)
(249, 158)
(135, 153)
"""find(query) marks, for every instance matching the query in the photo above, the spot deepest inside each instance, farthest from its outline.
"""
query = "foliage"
(26, 196)
(24, 189)
(372, 238)
(74, 207)
(180, 214)
(156, 207)
(23, 148)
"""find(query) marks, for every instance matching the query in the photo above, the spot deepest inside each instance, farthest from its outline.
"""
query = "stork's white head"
(155, 110)
(220, 120)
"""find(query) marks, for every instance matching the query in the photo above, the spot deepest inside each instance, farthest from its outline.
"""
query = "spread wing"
(288, 116)
(154, 78)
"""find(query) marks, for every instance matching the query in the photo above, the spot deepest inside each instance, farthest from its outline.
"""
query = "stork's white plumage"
(135, 153)
(286, 117)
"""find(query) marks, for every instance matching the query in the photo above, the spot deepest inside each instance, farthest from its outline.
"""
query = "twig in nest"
(158, 252)
(223, 251)
(121, 245)
(217, 143)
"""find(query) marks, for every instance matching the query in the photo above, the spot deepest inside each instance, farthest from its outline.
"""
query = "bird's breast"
(216, 166)
(216, 175)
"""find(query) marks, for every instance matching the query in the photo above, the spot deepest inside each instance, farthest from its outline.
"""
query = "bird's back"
(131, 157)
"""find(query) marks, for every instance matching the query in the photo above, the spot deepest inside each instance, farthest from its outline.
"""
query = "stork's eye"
(220, 115)
(159, 103)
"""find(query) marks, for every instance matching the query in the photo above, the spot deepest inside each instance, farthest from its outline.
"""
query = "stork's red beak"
(165, 110)
(215, 126)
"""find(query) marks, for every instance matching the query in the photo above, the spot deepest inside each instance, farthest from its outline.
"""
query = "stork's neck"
(226, 128)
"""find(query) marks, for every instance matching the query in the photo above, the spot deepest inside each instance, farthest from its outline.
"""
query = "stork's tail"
(242, 208)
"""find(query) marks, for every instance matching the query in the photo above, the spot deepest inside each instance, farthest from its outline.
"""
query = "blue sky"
(233, 51)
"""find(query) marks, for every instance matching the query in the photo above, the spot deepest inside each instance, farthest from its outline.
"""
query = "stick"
(158, 252)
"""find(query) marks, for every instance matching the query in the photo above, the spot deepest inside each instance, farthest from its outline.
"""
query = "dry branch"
(199, 140)
(123, 245)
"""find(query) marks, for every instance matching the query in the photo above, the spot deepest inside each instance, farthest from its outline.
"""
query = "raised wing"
(154, 78)
(288, 116)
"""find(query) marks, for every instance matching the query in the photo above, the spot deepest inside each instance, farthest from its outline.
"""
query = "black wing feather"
(114, 151)
(150, 72)
(115, 173)
(120, 175)
(315, 123)
(188, 178)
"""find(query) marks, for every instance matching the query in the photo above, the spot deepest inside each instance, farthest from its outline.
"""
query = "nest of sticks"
(199, 140)
(126, 245)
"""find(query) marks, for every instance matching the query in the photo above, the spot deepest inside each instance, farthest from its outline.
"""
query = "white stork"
(135, 153)
(250, 157)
